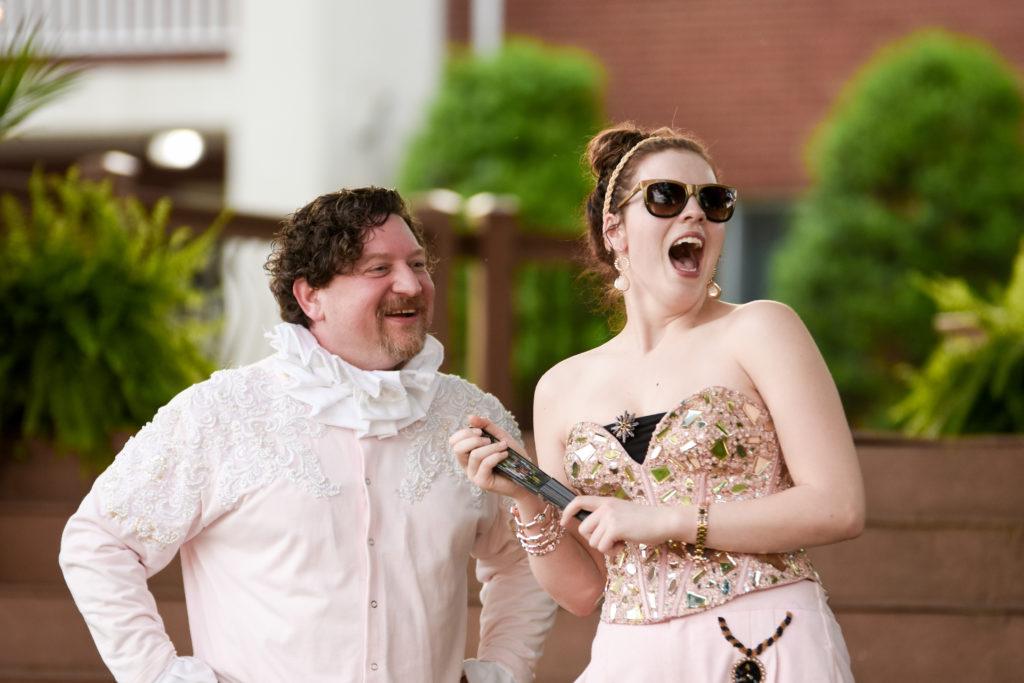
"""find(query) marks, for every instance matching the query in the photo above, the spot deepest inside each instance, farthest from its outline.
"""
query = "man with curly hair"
(323, 526)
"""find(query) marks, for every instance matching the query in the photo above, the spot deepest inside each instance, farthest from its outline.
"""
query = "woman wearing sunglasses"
(706, 440)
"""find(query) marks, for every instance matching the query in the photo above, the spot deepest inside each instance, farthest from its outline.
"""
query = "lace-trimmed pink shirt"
(308, 553)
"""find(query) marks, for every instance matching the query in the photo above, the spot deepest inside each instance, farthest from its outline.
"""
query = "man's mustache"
(414, 303)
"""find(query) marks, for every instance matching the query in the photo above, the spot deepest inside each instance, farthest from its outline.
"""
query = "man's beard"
(402, 345)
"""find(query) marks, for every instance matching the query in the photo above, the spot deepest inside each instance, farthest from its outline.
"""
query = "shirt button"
(373, 603)
(373, 666)
(370, 541)
(367, 481)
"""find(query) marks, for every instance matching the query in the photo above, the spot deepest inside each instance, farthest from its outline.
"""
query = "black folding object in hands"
(529, 476)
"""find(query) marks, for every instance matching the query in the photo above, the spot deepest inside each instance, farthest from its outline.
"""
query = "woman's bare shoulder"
(561, 394)
(762, 311)
(764, 322)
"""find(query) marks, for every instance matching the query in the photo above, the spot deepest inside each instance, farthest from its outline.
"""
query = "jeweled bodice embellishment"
(716, 446)
(625, 425)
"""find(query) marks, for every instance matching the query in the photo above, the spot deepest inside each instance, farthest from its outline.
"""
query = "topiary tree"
(918, 170)
(517, 122)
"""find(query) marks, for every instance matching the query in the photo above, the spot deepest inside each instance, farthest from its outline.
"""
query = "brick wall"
(753, 79)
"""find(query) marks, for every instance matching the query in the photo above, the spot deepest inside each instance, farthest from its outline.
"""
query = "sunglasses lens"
(665, 199)
(718, 202)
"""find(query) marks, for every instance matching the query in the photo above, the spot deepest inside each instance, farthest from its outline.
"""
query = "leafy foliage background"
(98, 303)
(517, 122)
(29, 79)
(972, 384)
(918, 170)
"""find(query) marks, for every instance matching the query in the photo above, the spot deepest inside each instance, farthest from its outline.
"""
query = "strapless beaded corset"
(717, 446)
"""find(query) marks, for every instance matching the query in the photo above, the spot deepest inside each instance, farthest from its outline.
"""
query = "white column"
(329, 92)
(250, 309)
(486, 25)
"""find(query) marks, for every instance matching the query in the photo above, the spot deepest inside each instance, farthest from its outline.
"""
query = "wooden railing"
(494, 244)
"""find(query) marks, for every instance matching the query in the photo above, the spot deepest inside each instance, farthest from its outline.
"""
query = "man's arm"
(517, 614)
(139, 512)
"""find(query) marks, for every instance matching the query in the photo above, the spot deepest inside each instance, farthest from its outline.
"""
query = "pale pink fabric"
(691, 649)
(308, 554)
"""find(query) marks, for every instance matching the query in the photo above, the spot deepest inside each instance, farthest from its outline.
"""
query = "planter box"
(42, 475)
(931, 590)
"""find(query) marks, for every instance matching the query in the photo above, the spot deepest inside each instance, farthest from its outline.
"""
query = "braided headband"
(614, 178)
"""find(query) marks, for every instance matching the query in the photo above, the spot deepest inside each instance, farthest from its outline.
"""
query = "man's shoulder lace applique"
(429, 453)
(154, 486)
(231, 434)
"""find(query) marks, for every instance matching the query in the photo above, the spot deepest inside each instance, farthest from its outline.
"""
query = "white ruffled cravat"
(372, 402)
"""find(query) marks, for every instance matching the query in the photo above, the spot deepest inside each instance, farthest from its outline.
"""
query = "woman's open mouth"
(685, 254)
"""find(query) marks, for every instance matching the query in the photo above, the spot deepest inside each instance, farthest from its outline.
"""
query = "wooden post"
(439, 230)
(498, 253)
(491, 321)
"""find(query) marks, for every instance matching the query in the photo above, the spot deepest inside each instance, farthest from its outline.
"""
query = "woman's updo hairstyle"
(604, 154)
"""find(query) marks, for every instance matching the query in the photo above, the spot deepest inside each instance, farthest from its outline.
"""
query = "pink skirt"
(692, 648)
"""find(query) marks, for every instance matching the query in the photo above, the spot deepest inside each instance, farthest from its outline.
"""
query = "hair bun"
(606, 149)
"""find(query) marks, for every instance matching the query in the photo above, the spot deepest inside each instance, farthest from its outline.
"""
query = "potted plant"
(96, 294)
(99, 301)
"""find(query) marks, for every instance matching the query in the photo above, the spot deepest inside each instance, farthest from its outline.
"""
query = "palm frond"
(30, 77)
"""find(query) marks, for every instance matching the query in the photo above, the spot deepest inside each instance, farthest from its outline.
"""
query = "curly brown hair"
(326, 237)
(604, 151)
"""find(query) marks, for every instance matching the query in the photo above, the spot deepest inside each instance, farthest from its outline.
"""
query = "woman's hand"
(478, 456)
(613, 521)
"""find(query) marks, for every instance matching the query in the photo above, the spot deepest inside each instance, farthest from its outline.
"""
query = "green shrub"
(517, 123)
(96, 296)
(919, 169)
(972, 384)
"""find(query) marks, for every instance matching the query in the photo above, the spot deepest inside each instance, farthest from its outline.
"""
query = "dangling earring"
(714, 290)
(621, 264)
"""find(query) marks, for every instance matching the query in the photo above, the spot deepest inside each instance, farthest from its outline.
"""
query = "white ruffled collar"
(371, 402)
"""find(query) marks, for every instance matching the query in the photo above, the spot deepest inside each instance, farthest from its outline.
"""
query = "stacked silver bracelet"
(548, 531)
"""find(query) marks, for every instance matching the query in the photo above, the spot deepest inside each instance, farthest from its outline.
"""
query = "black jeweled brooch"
(625, 425)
